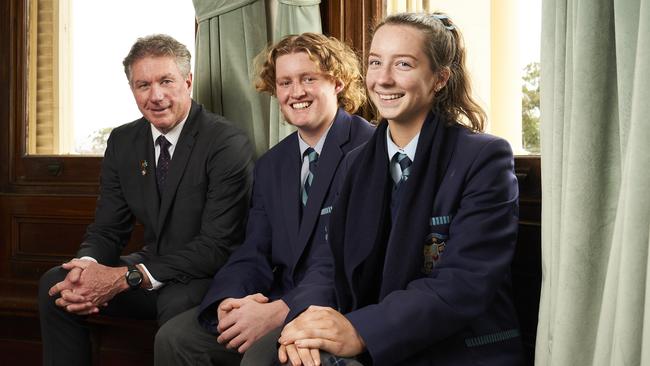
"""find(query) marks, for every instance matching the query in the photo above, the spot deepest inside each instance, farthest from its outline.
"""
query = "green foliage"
(98, 140)
(530, 108)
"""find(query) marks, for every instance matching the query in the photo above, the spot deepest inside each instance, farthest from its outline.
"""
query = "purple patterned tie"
(163, 161)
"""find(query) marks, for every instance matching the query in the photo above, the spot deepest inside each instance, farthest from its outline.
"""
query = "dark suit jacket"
(200, 217)
(283, 253)
(461, 313)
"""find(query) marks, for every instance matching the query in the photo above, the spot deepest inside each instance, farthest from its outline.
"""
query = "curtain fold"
(595, 68)
(230, 34)
(293, 17)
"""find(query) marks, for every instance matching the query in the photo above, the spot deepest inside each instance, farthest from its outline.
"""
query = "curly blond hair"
(333, 57)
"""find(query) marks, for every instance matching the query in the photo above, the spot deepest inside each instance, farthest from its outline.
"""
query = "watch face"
(134, 278)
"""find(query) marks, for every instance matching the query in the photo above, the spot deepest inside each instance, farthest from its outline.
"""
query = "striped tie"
(312, 155)
(405, 165)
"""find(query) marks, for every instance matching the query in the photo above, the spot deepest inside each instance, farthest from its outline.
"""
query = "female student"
(424, 228)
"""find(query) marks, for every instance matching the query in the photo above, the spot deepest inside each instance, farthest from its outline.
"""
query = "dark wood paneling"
(527, 262)
(351, 21)
(40, 239)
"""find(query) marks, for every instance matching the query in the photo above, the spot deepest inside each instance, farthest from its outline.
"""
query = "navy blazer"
(462, 312)
(284, 254)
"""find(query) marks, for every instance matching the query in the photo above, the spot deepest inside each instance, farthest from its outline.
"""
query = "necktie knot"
(163, 143)
(312, 155)
(404, 163)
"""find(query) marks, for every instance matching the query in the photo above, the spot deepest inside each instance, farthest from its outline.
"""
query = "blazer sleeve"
(248, 270)
(229, 168)
(477, 257)
(109, 233)
(317, 286)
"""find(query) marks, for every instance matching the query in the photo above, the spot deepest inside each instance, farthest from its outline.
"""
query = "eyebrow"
(162, 77)
(394, 56)
(310, 73)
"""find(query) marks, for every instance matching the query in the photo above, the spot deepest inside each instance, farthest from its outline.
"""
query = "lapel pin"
(143, 167)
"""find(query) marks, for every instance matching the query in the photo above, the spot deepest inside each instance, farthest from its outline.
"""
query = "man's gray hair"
(158, 45)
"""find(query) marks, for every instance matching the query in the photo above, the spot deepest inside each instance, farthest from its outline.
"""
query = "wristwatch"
(133, 277)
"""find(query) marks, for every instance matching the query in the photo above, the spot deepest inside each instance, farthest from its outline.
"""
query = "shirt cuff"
(154, 284)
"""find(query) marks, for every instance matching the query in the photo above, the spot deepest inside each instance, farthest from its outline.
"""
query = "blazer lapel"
(290, 188)
(331, 156)
(146, 160)
(182, 153)
(394, 276)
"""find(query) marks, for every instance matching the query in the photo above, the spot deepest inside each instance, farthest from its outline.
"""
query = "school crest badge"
(433, 248)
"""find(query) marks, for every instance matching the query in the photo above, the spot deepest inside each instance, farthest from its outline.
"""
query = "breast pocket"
(435, 242)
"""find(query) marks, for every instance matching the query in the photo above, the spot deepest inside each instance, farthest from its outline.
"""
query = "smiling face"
(399, 78)
(161, 92)
(307, 96)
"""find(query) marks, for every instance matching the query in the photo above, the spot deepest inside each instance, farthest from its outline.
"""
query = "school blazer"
(285, 251)
(462, 312)
(199, 218)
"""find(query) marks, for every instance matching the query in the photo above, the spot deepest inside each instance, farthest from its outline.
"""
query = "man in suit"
(317, 82)
(180, 171)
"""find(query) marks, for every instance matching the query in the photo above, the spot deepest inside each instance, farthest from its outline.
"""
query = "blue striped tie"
(405, 165)
(312, 155)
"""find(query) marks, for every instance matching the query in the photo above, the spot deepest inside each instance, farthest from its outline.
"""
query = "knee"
(164, 337)
(47, 280)
(168, 336)
(170, 307)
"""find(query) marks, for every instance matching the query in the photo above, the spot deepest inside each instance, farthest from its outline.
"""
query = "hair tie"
(442, 17)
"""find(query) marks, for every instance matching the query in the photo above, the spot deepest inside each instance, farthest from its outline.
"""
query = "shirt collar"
(172, 135)
(409, 149)
(319, 145)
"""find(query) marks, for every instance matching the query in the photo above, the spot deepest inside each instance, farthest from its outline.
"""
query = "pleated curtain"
(595, 137)
(230, 34)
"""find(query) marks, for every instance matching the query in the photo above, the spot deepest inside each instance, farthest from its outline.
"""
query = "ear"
(441, 78)
(188, 81)
(338, 86)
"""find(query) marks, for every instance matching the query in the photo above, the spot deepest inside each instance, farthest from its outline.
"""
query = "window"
(77, 90)
(503, 61)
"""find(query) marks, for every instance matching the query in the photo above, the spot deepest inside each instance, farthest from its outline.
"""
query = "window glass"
(90, 90)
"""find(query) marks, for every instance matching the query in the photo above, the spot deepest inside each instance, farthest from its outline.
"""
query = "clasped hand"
(245, 320)
(318, 328)
(87, 286)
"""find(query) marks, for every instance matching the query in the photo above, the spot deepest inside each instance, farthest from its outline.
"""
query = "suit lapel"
(328, 162)
(290, 187)
(146, 160)
(182, 153)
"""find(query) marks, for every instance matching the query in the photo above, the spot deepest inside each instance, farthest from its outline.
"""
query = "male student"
(180, 171)
(317, 82)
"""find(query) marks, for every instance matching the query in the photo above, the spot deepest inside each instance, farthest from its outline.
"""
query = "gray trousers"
(183, 341)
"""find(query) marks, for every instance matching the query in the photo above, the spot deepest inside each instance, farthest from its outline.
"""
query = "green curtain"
(230, 34)
(293, 17)
(595, 103)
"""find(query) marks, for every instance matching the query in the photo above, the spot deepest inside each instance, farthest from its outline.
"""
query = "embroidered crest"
(433, 248)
